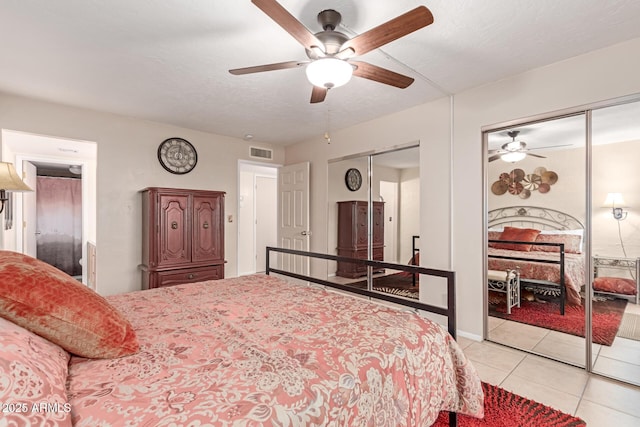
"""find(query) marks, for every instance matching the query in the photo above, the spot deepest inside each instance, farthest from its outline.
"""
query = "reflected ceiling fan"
(330, 52)
(513, 151)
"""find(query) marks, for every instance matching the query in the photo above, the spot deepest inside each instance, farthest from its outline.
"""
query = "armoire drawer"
(190, 275)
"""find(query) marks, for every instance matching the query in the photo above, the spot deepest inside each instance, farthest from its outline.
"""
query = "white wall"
(127, 162)
(451, 166)
(615, 170)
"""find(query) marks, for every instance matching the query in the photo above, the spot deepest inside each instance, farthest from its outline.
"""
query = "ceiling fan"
(513, 151)
(330, 52)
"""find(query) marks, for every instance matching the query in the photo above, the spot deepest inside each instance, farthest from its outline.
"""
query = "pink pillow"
(517, 234)
(571, 243)
(50, 303)
(33, 371)
(616, 285)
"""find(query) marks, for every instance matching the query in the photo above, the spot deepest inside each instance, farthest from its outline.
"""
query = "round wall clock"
(177, 155)
(353, 179)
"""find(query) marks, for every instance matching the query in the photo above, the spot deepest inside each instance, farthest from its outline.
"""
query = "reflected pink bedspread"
(573, 269)
(256, 351)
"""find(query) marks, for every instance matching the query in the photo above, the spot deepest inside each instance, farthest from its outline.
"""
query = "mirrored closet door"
(615, 241)
(536, 197)
(373, 213)
(563, 238)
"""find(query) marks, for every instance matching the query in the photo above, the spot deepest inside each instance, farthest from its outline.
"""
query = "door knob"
(305, 233)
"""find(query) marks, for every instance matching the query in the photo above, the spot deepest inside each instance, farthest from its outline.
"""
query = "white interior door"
(29, 217)
(266, 214)
(293, 215)
(389, 193)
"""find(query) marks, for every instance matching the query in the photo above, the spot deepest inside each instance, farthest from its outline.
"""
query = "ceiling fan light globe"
(329, 72)
(513, 157)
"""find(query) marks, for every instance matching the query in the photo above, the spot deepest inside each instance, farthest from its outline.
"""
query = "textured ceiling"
(168, 60)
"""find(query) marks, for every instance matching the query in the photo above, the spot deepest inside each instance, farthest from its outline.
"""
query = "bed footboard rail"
(449, 311)
(560, 261)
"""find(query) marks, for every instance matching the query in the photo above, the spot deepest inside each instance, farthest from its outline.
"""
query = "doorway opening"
(57, 221)
(257, 215)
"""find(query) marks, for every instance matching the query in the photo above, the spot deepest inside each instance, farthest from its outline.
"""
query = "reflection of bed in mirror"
(544, 245)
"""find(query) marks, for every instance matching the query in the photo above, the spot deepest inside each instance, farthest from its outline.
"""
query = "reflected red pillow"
(517, 234)
(52, 304)
(616, 285)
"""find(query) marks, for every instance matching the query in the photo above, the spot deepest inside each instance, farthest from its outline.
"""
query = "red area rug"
(607, 316)
(505, 409)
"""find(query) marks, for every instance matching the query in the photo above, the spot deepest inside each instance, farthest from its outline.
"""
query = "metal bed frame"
(540, 218)
(449, 311)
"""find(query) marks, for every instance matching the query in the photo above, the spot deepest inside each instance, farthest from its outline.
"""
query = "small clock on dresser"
(177, 155)
(353, 179)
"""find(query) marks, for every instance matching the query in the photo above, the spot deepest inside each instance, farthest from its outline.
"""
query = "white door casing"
(29, 220)
(389, 192)
(266, 218)
(293, 216)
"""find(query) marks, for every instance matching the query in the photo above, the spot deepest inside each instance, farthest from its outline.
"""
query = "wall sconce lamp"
(616, 203)
(9, 180)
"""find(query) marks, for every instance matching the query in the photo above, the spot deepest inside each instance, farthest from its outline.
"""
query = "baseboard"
(470, 336)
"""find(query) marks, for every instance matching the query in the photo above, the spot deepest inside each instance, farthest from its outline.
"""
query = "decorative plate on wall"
(520, 184)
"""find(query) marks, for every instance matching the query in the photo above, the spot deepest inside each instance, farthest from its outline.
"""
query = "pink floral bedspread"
(573, 269)
(258, 351)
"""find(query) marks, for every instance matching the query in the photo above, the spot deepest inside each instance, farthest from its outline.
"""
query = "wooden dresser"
(182, 236)
(352, 235)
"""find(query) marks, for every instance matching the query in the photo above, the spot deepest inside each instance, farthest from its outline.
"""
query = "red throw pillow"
(52, 304)
(616, 285)
(519, 235)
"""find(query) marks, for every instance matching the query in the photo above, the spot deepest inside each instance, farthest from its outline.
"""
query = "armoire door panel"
(207, 238)
(175, 244)
(361, 229)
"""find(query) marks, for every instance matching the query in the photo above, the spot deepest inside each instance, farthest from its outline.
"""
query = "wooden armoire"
(182, 236)
(353, 218)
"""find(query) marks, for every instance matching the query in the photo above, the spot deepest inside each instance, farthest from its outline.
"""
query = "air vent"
(261, 153)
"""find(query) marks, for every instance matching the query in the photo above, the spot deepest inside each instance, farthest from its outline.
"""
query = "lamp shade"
(329, 72)
(614, 200)
(514, 156)
(9, 179)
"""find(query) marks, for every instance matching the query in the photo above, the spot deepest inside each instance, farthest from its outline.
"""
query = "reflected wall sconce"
(9, 181)
(616, 203)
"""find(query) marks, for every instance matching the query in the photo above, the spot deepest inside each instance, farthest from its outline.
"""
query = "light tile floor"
(597, 400)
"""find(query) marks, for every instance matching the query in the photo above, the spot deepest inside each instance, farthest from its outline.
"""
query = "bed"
(249, 351)
(543, 245)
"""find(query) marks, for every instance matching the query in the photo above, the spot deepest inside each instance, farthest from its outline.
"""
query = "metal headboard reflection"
(533, 216)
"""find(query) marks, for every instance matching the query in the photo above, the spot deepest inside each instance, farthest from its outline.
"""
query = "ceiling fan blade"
(289, 23)
(389, 31)
(535, 155)
(318, 94)
(550, 146)
(267, 67)
(381, 75)
(496, 157)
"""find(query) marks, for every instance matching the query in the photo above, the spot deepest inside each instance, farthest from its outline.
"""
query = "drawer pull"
(191, 276)
(174, 225)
